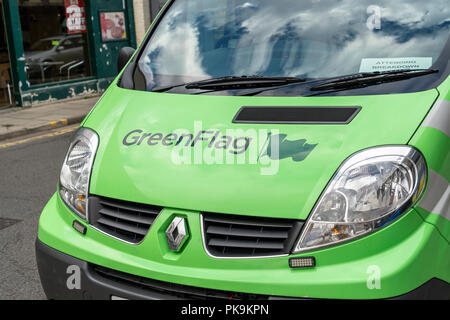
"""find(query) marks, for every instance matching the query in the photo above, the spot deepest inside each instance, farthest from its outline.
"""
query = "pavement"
(17, 122)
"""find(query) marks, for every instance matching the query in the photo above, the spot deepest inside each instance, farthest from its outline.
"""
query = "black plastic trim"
(53, 264)
(53, 267)
(126, 81)
(296, 115)
(434, 289)
(100, 283)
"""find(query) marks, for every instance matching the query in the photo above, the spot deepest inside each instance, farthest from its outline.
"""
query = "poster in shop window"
(113, 25)
(75, 16)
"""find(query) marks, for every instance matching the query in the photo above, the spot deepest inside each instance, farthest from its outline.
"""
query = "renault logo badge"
(177, 234)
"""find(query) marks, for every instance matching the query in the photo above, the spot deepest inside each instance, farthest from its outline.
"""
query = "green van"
(259, 149)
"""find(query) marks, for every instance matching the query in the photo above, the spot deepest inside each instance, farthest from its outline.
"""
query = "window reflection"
(198, 39)
(51, 53)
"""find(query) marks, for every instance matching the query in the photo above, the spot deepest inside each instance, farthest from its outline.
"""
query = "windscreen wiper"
(234, 82)
(357, 80)
(365, 79)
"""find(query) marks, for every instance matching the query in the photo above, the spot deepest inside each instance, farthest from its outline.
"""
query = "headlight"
(76, 171)
(371, 189)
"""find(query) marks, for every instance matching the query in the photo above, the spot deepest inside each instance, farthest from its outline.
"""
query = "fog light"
(79, 227)
(306, 262)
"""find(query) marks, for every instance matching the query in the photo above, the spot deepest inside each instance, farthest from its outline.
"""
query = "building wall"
(145, 11)
(141, 17)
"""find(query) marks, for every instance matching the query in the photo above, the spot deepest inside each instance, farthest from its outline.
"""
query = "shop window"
(6, 87)
(53, 51)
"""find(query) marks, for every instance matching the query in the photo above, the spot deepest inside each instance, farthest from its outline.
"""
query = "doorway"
(6, 84)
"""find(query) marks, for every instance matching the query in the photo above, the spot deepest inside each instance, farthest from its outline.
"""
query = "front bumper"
(409, 254)
(57, 273)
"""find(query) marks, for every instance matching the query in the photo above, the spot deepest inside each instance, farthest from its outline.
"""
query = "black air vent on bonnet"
(296, 115)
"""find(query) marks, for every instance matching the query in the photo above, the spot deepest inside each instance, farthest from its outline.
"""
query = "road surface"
(29, 170)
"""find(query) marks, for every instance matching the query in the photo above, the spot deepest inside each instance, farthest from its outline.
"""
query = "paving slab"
(16, 122)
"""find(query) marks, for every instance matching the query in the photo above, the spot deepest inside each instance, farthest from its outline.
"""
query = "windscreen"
(202, 39)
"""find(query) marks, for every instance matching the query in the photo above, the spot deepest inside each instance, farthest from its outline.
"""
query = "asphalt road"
(29, 170)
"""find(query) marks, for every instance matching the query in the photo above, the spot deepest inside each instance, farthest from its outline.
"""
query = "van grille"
(124, 220)
(168, 290)
(243, 236)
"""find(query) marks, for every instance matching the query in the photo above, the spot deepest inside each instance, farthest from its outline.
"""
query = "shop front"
(59, 49)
